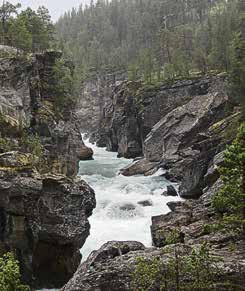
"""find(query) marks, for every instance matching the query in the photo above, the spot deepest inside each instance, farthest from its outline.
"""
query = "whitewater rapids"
(118, 214)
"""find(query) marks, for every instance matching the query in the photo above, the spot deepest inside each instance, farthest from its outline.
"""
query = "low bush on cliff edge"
(185, 271)
(229, 203)
(10, 279)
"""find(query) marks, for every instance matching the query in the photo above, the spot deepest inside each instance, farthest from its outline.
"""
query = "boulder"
(213, 174)
(138, 167)
(171, 191)
(145, 203)
(107, 269)
(85, 153)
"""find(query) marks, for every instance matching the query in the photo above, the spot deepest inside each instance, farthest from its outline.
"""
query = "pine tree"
(230, 201)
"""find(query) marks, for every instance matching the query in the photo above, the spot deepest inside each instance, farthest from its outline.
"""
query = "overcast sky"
(55, 7)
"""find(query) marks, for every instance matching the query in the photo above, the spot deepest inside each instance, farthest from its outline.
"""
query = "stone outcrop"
(27, 100)
(95, 96)
(115, 274)
(44, 219)
(134, 109)
(106, 269)
(44, 210)
(186, 139)
(112, 269)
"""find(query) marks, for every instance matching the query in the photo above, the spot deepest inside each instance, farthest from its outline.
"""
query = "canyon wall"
(44, 209)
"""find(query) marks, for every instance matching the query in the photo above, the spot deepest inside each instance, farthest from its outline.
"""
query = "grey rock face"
(185, 140)
(95, 95)
(133, 110)
(106, 269)
(171, 191)
(43, 213)
(26, 100)
(44, 218)
(179, 128)
(112, 270)
(139, 167)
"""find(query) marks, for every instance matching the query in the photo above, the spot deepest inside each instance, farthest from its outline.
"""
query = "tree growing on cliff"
(6, 11)
(229, 203)
(10, 278)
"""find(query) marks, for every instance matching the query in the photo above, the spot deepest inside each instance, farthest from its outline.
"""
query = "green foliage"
(10, 279)
(237, 66)
(183, 271)
(172, 237)
(169, 72)
(27, 31)
(31, 144)
(6, 11)
(6, 145)
(20, 34)
(63, 86)
(152, 40)
(133, 72)
(229, 203)
(146, 274)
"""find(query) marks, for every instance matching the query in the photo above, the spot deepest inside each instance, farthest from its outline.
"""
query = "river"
(118, 214)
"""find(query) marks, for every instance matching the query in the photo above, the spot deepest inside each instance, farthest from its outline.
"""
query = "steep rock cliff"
(27, 100)
(95, 96)
(43, 210)
(134, 110)
(187, 138)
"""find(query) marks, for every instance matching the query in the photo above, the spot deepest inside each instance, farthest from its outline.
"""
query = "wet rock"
(133, 111)
(139, 167)
(127, 207)
(145, 203)
(85, 153)
(95, 95)
(171, 191)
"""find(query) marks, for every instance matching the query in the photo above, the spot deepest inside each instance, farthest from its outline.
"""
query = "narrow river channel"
(125, 205)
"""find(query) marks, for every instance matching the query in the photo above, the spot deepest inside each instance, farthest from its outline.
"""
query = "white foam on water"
(118, 216)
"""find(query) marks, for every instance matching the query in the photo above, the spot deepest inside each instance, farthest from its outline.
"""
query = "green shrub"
(185, 271)
(6, 145)
(10, 279)
(32, 144)
(146, 274)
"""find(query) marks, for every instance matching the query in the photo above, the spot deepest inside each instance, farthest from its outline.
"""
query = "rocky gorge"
(180, 129)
